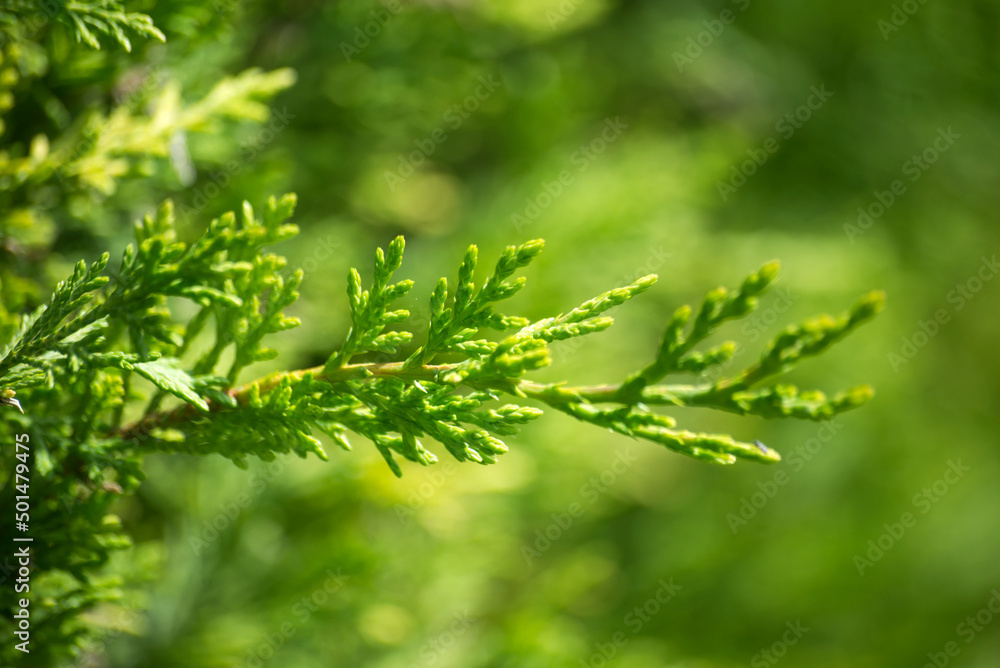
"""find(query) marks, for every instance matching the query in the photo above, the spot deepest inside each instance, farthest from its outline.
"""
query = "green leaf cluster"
(148, 353)
(177, 323)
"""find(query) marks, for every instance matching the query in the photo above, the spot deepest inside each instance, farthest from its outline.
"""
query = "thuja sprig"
(400, 404)
(452, 328)
(676, 348)
(403, 404)
(369, 309)
(86, 20)
(107, 372)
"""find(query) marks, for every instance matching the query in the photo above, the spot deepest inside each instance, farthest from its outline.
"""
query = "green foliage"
(63, 163)
(394, 404)
(76, 364)
(86, 20)
(147, 357)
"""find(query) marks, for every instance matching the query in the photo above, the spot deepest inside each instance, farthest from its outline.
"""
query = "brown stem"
(186, 412)
(552, 393)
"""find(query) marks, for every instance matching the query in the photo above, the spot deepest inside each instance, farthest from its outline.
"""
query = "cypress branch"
(77, 364)
(342, 395)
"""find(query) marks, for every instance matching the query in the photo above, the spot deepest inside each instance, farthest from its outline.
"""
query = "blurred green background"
(696, 140)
